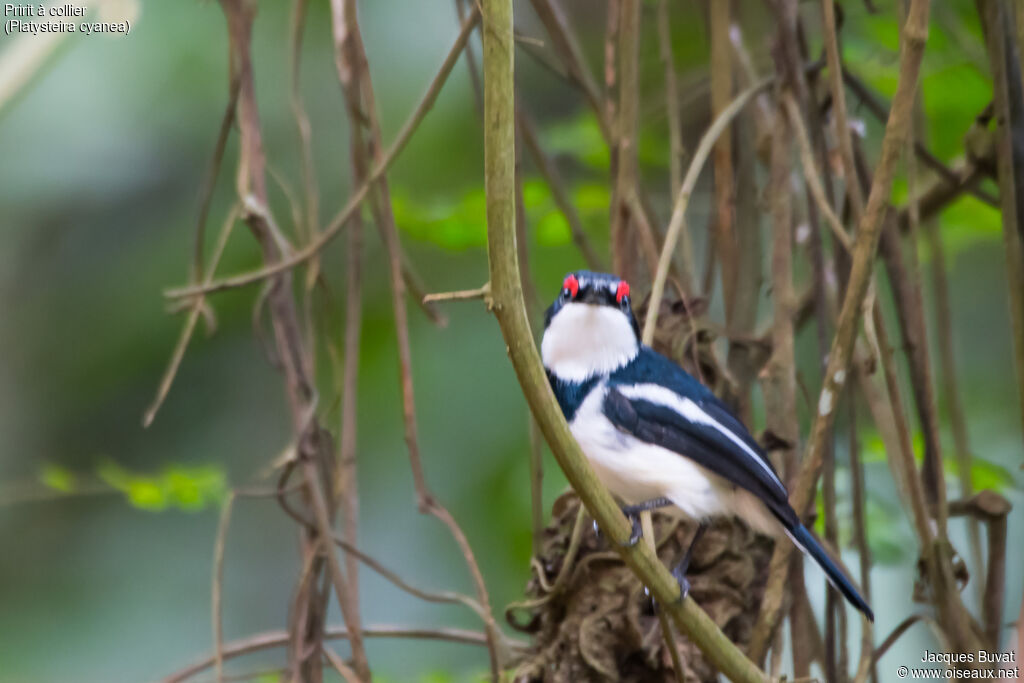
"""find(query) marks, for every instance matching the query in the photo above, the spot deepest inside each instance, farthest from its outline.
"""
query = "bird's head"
(589, 329)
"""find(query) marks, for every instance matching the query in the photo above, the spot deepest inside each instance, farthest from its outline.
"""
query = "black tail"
(806, 542)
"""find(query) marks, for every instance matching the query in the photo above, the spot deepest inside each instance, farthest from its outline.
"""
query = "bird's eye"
(571, 286)
(622, 293)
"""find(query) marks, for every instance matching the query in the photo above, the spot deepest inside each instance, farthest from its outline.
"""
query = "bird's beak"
(591, 295)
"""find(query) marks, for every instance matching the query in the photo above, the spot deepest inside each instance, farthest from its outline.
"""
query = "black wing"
(708, 442)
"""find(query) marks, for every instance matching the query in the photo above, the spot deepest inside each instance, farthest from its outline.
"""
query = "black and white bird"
(655, 436)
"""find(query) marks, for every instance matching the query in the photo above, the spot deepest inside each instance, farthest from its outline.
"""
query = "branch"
(942, 192)
(356, 199)
(948, 378)
(811, 174)
(339, 665)
(361, 97)
(510, 310)
(842, 125)
(675, 126)
(441, 597)
(272, 639)
(677, 223)
(565, 44)
(549, 171)
(877, 107)
(904, 281)
(993, 509)
(216, 591)
(725, 237)
(1007, 85)
(290, 346)
(626, 129)
(190, 322)
(915, 32)
(780, 373)
(461, 295)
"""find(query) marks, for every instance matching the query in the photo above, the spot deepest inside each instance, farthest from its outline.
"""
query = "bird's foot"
(636, 529)
(679, 574)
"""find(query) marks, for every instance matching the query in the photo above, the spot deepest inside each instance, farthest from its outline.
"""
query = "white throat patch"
(584, 340)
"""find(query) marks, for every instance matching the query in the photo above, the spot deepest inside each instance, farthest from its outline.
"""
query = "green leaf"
(450, 224)
(189, 488)
(146, 493)
(552, 230)
(437, 677)
(968, 222)
(58, 478)
(591, 197)
(872, 448)
(953, 95)
(579, 137)
(886, 540)
(987, 475)
(193, 488)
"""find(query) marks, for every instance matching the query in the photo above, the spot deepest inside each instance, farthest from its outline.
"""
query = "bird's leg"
(680, 571)
(632, 513)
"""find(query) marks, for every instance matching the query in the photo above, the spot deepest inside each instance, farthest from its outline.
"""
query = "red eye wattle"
(622, 292)
(571, 285)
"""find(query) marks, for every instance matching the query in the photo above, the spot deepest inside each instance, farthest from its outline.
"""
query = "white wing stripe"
(694, 413)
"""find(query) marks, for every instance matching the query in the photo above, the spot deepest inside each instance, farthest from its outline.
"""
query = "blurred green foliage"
(103, 157)
(186, 487)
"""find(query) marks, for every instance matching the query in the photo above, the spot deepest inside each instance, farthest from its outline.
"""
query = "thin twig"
(291, 348)
(536, 487)
(346, 482)
(811, 174)
(678, 221)
(272, 639)
(216, 602)
(842, 124)
(780, 372)
(212, 172)
(356, 199)
(443, 597)
(950, 384)
(568, 49)
(509, 308)
(523, 240)
(548, 170)
(298, 107)
(1009, 117)
(471, 65)
(993, 509)
(900, 629)
(190, 323)
(860, 539)
(675, 126)
(915, 32)
(461, 295)
(381, 206)
(877, 107)
(725, 232)
(339, 664)
(626, 130)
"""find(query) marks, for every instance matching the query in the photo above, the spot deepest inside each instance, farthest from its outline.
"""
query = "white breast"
(637, 471)
(584, 340)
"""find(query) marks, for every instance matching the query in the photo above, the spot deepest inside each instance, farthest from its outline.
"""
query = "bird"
(654, 435)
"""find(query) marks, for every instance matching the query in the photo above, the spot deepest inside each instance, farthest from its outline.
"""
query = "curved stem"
(677, 223)
(510, 310)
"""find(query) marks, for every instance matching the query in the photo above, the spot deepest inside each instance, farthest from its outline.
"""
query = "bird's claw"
(679, 574)
(636, 532)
